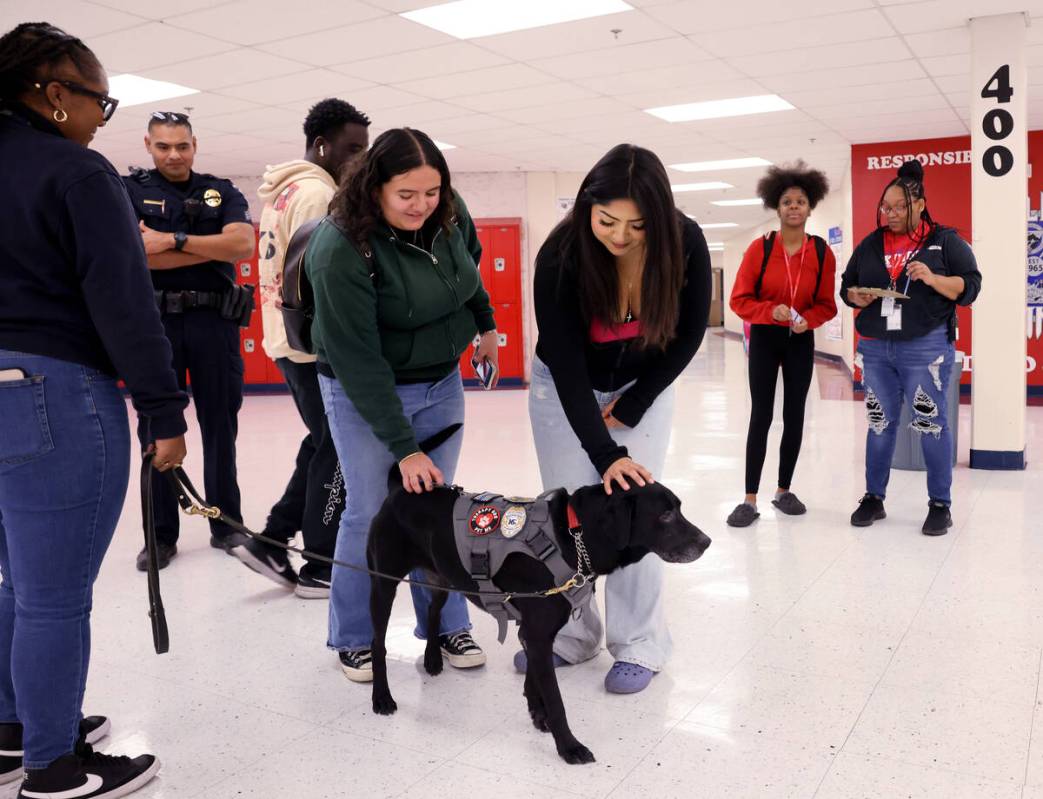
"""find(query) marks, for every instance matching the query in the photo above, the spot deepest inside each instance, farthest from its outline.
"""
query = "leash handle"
(157, 615)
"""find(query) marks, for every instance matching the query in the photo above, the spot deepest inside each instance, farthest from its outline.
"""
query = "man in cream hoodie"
(294, 193)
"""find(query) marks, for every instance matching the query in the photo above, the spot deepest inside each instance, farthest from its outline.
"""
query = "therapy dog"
(594, 534)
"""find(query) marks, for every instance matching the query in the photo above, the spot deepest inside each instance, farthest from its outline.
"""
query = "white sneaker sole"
(310, 592)
(357, 675)
(262, 568)
(464, 661)
(95, 736)
(11, 776)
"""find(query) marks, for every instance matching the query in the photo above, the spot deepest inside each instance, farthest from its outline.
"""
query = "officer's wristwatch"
(180, 237)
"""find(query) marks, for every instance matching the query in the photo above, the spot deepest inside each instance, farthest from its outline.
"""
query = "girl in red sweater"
(784, 289)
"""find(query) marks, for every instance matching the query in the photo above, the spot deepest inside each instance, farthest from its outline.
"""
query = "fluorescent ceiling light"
(441, 145)
(709, 186)
(711, 225)
(467, 19)
(715, 109)
(753, 201)
(713, 166)
(135, 90)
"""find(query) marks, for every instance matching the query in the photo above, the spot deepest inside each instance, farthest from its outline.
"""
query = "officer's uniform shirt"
(160, 204)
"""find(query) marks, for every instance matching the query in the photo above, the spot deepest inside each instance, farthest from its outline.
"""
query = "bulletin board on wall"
(947, 183)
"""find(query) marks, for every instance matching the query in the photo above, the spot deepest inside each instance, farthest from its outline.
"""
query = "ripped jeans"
(917, 371)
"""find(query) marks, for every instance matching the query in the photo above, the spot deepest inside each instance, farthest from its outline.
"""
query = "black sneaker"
(228, 541)
(267, 560)
(461, 650)
(939, 519)
(744, 515)
(870, 509)
(86, 774)
(314, 581)
(164, 554)
(358, 665)
(92, 729)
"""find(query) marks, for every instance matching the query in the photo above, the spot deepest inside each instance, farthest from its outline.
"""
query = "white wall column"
(999, 164)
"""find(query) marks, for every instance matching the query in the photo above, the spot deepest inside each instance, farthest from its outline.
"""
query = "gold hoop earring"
(60, 115)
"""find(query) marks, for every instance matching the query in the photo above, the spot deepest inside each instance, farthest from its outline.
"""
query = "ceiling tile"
(823, 59)
(938, 66)
(918, 17)
(225, 69)
(309, 85)
(840, 79)
(941, 42)
(694, 92)
(420, 114)
(153, 11)
(646, 80)
(80, 19)
(913, 106)
(576, 37)
(514, 76)
(552, 112)
(623, 58)
(468, 122)
(697, 17)
(817, 30)
(446, 59)
(524, 98)
(815, 98)
(256, 21)
(378, 37)
(368, 100)
(263, 122)
(153, 45)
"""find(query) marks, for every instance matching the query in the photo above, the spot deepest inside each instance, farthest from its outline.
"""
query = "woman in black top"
(622, 297)
(76, 310)
(906, 351)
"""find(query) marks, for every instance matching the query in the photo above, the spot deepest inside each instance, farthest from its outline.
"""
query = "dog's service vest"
(489, 527)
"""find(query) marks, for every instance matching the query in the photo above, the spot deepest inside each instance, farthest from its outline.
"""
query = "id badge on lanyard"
(793, 286)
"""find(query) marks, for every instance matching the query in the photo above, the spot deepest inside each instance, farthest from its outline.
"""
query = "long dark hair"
(626, 172)
(910, 179)
(31, 49)
(355, 205)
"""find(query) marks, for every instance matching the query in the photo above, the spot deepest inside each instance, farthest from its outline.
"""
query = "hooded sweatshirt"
(293, 193)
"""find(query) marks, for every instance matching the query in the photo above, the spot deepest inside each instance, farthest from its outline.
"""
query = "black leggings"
(772, 346)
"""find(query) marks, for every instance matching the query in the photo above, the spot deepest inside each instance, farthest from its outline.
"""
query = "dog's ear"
(609, 517)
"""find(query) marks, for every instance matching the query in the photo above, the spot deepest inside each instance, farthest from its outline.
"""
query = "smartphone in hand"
(486, 372)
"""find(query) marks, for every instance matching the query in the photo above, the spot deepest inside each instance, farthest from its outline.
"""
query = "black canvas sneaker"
(267, 560)
(461, 651)
(86, 774)
(314, 581)
(92, 730)
(939, 519)
(358, 665)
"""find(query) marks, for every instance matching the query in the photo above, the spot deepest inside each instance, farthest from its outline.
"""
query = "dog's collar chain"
(584, 569)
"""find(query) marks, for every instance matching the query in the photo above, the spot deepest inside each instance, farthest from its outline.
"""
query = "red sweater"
(775, 288)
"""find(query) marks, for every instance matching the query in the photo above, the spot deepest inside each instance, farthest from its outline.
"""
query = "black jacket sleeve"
(694, 314)
(960, 260)
(562, 336)
(102, 235)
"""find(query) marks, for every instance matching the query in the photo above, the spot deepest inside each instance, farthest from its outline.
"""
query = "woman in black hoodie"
(76, 310)
(906, 350)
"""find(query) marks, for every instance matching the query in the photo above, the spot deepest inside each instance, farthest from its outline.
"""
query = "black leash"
(194, 505)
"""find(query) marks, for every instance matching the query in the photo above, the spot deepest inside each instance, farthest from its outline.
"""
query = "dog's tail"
(427, 446)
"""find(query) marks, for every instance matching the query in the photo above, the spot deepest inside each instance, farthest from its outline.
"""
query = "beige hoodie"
(293, 193)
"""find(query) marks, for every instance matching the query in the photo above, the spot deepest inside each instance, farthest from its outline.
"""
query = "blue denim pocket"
(27, 434)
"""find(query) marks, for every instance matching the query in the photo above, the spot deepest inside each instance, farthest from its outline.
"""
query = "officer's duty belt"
(181, 301)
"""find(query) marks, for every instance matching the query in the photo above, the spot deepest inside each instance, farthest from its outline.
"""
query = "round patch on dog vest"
(484, 520)
(513, 521)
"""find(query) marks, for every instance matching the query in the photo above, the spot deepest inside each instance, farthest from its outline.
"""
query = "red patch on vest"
(284, 197)
(484, 520)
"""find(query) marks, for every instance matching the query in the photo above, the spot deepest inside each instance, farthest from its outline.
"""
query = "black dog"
(416, 531)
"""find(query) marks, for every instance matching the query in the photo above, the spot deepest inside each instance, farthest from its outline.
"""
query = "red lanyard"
(789, 277)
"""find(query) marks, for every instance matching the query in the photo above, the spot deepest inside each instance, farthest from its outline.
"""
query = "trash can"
(908, 452)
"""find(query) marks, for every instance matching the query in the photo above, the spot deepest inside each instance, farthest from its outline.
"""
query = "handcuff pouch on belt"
(236, 303)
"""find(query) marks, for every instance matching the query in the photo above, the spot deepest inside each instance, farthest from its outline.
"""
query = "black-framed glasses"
(172, 117)
(107, 104)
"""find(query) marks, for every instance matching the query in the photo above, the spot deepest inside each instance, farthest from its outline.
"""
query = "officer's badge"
(484, 520)
(513, 521)
(212, 197)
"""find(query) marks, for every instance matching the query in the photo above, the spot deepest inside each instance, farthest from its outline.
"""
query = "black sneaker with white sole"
(461, 651)
(314, 581)
(357, 665)
(92, 729)
(267, 560)
(86, 774)
(938, 520)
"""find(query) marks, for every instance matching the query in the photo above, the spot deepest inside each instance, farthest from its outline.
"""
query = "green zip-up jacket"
(406, 316)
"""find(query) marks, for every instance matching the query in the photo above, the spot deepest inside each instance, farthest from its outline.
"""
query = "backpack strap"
(769, 241)
(820, 251)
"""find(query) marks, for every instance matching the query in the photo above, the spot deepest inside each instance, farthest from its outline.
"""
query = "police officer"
(194, 226)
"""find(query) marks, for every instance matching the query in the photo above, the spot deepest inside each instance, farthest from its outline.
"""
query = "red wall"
(948, 189)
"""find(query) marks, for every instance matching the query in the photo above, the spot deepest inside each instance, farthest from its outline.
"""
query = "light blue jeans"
(64, 465)
(365, 462)
(635, 629)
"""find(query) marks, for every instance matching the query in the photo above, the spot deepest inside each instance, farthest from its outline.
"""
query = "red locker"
(501, 275)
(255, 362)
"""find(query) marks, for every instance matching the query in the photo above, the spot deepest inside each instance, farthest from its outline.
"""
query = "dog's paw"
(384, 705)
(433, 662)
(576, 754)
(539, 719)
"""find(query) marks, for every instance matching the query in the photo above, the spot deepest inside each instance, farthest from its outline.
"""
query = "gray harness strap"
(484, 526)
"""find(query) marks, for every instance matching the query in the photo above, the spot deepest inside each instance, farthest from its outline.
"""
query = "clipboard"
(877, 292)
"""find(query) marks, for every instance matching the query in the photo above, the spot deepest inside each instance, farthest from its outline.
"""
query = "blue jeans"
(64, 465)
(365, 462)
(635, 628)
(915, 371)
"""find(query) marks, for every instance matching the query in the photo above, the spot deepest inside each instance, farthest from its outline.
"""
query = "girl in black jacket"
(906, 350)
